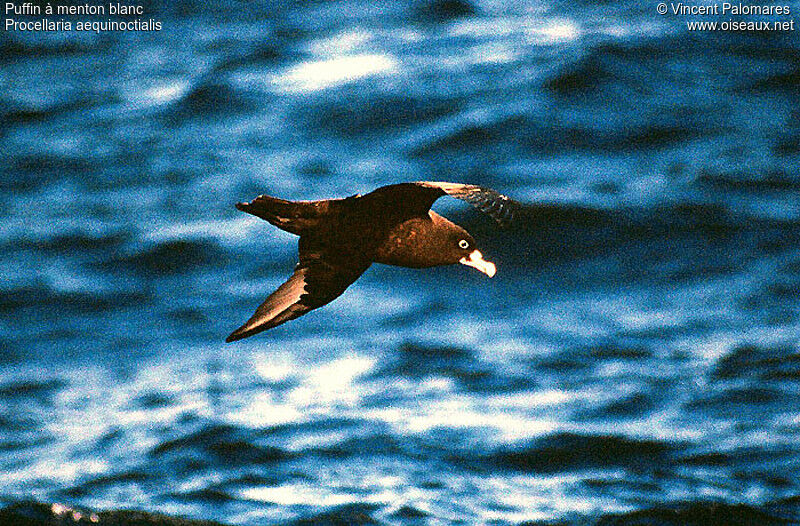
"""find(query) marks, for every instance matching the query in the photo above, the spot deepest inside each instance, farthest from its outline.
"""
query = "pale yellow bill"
(475, 260)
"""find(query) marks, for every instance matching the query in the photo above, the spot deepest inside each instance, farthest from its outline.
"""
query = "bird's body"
(341, 238)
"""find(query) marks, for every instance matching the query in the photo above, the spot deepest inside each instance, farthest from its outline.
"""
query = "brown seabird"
(341, 238)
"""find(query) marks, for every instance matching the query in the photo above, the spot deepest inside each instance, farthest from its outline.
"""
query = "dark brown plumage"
(341, 238)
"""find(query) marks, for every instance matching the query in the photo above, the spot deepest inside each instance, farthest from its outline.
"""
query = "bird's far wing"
(315, 282)
(499, 207)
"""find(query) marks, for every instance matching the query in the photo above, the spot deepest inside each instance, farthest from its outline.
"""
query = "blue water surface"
(639, 347)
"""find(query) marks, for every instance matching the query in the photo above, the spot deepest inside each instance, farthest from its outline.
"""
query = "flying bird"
(341, 238)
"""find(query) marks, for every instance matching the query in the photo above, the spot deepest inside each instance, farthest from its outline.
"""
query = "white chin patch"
(475, 260)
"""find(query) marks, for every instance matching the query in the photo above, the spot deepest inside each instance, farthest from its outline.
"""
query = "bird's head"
(456, 245)
(464, 251)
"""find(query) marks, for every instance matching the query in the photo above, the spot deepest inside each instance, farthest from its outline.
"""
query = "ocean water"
(636, 360)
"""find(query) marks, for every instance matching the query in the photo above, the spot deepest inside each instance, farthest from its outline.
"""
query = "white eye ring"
(463, 243)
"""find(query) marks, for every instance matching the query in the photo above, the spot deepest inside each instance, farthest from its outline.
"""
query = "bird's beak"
(475, 260)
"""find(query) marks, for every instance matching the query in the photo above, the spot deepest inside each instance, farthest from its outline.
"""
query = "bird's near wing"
(494, 204)
(316, 281)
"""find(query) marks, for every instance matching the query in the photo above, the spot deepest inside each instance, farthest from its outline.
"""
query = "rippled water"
(639, 348)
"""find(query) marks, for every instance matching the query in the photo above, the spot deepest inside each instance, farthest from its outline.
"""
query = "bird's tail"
(291, 216)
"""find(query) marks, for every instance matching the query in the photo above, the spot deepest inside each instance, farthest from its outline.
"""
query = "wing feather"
(494, 204)
(315, 283)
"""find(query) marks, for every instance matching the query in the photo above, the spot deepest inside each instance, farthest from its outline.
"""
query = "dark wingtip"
(236, 335)
(245, 332)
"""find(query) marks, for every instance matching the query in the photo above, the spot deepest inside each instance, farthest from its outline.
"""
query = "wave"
(33, 171)
(38, 295)
(174, 256)
(438, 11)
(540, 134)
(350, 514)
(784, 82)
(12, 47)
(349, 113)
(698, 514)
(218, 444)
(206, 496)
(72, 242)
(784, 512)
(770, 181)
(367, 445)
(766, 362)
(570, 451)
(38, 514)
(14, 113)
(212, 97)
(100, 484)
(31, 389)
(419, 361)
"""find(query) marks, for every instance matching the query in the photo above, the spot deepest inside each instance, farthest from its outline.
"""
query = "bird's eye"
(463, 243)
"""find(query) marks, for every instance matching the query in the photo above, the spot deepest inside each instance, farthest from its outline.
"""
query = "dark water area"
(636, 360)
